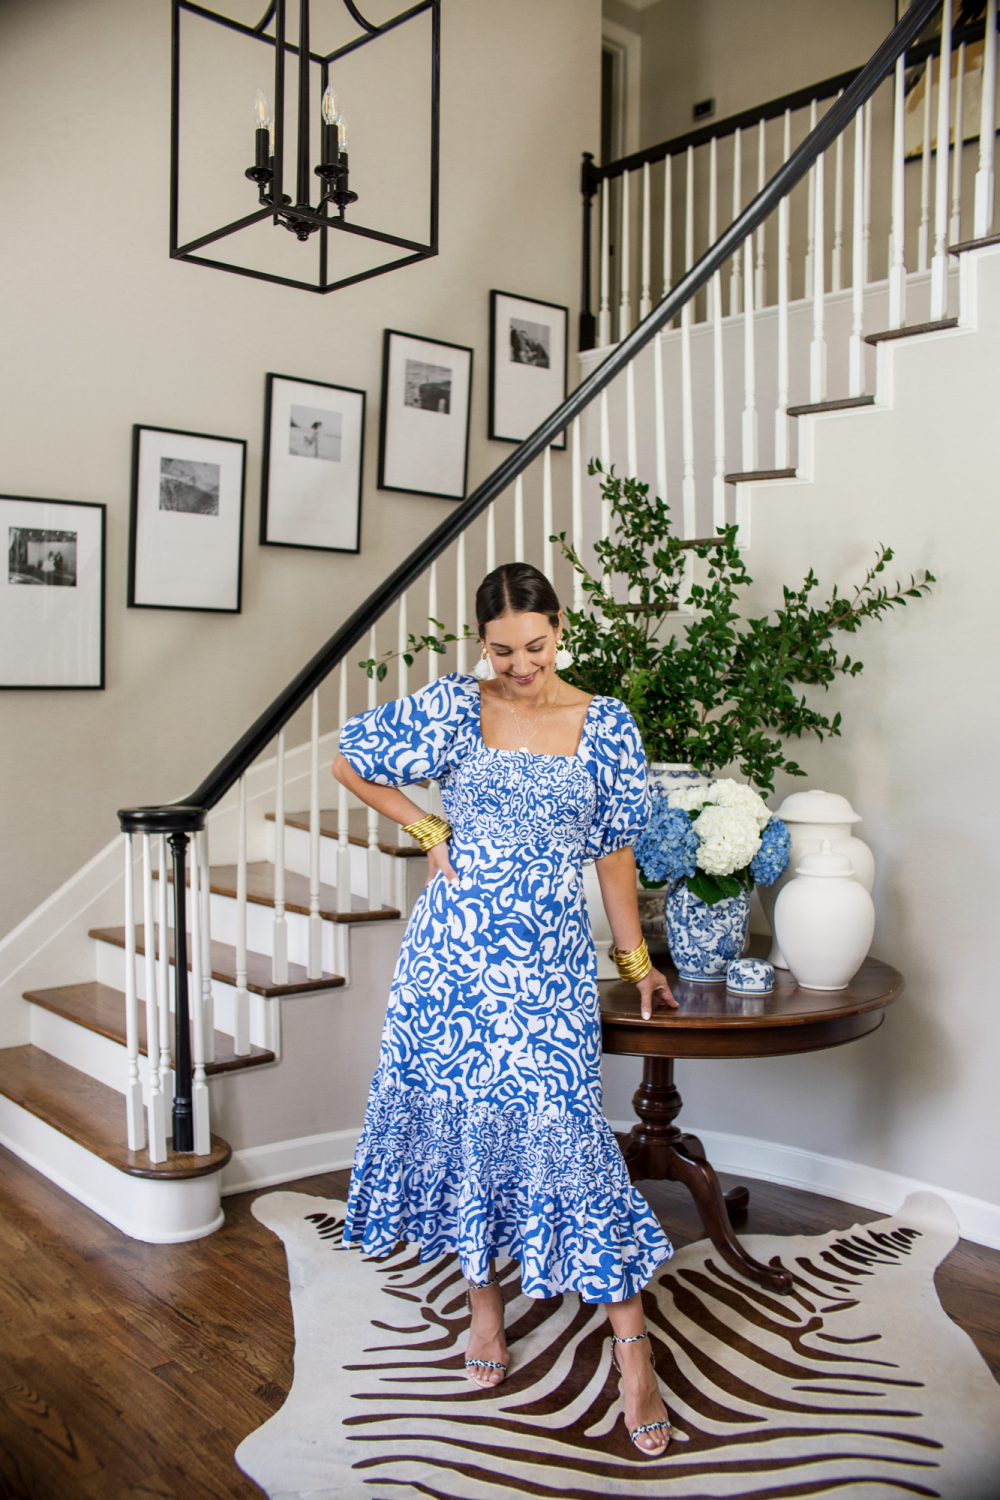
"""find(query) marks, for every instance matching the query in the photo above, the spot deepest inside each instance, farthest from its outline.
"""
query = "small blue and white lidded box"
(750, 976)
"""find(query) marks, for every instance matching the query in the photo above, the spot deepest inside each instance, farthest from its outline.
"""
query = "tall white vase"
(824, 920)
(812, 817)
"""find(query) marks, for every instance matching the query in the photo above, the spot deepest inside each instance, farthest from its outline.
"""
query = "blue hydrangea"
(668, 846)
(771, 858)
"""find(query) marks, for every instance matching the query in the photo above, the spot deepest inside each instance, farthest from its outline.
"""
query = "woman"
(484, 1133)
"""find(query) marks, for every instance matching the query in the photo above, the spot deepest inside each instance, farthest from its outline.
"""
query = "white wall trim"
(283, 1161)
(627, 44)
(851, 1182)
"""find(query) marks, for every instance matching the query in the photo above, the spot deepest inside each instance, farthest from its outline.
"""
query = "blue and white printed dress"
(484, 1133)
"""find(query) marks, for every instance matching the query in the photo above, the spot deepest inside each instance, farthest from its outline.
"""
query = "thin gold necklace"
(517, 719)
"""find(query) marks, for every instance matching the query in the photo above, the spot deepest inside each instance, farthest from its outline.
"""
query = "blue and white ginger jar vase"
(703, 939)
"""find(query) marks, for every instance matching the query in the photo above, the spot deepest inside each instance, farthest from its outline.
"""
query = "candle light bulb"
(261, 113)
(342, 132)
(329, 105)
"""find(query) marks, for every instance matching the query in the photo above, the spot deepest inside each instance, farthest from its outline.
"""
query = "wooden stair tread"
(754, 475)
(91, 1114)
(357, 831)
(224, 964)
(98, 1007)
(911, 332)
(260, 891)
(842, 403)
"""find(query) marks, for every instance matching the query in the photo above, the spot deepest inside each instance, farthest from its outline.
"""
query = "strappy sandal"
(484, 1364)
(646, 1426)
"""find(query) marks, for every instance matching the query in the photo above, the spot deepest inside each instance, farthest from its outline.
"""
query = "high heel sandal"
(637, 1432)
(484, 1364)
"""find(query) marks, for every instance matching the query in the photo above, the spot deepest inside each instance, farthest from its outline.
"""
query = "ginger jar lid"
(825, 863)
(817, 807)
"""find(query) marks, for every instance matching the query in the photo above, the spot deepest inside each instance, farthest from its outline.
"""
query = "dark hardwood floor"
(130, 1369)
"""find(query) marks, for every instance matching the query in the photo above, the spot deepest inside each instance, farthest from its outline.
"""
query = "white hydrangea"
(729, 793)
(690, 799)
(728, 839)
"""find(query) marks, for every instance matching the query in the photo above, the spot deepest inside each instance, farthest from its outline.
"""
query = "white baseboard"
(850, 1181)
(283, 1161)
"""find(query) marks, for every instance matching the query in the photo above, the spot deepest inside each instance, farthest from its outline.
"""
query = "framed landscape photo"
(424, 428)
(528, 361)
(313, 449)
(186, 531)
(52, 596)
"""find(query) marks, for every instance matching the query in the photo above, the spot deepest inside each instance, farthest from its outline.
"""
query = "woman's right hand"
(439, 861)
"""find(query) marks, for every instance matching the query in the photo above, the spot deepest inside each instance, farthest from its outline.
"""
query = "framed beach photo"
(52, 594)
(186, 530)
(314, 437)
(528, 364)
(424, 427)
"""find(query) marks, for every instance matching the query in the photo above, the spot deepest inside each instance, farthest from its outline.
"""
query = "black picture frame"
(270, 483)
(525, 409)
(154, 569)
(20, 637)
(405, 455)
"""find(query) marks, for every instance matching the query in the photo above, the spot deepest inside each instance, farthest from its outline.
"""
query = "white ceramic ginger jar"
(811, 817)
(824, 921)
(672, 776)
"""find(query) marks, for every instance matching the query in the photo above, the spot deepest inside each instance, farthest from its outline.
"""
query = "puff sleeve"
(618, 764)
(408, 740)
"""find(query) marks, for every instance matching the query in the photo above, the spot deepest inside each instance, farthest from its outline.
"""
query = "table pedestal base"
(658, 1150)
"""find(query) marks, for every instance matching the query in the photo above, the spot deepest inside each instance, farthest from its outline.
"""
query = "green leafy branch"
(378, 666)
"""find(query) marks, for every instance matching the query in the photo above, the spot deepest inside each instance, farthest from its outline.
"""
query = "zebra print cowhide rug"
(857, 1384)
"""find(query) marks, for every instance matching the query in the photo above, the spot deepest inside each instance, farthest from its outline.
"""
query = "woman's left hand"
(654, 990)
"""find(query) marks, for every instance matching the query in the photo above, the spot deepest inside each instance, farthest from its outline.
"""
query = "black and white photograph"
(52, 594)
(41, 557)
(424, 428)
(528, 352)
(186, 525)
(311, 478)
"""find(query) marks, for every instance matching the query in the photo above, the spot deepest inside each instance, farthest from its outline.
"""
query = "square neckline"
(535, 754)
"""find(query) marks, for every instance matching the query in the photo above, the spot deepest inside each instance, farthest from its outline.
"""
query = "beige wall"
(102, 330)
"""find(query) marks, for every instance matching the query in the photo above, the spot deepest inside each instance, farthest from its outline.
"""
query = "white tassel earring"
(564, 658)
(484, 667)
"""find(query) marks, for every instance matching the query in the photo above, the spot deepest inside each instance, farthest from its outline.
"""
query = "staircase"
(253, 1055)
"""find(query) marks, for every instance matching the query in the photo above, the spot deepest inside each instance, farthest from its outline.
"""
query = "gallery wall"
(103, 330)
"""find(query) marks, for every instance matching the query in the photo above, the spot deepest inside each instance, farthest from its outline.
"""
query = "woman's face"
(523, 648)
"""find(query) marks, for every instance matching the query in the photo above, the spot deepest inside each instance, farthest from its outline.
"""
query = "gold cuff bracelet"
(632, 966)
(428, 831)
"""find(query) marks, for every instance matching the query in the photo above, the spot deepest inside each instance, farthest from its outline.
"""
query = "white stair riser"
(297, 858)
(111, 971)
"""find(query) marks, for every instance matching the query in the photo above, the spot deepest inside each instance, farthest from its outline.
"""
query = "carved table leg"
(657, 1149)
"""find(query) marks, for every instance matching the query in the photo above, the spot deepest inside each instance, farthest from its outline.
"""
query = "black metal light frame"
(319, 221)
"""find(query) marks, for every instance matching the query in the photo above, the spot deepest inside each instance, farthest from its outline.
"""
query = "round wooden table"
(712, 1022)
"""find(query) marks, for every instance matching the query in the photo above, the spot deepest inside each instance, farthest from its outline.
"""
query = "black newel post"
(183, 1115)
(588, 186)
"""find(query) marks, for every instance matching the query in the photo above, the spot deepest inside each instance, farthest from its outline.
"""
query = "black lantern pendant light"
(329, 178)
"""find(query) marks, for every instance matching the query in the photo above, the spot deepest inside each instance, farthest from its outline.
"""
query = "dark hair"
(519, 589)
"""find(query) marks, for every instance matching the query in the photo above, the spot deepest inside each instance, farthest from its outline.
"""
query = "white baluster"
(604, 313)
(548, 561)
(923, 238)
(625, 270)
(782, 446)
(155, 1108)
(688, 492)
(836, 268)
(668, 224)
(279, 961)
(856, 348)
(163, 978)
(866, 224)
(199, 1085)
(134, 1119)
(897, 263)
(241, 1017)
(809, 274)
(605, 461)
(758, 284)
(375, 900)
(659, 418)
(491, 538)
(343, 814)
(983, 211)
(402, 670)
(734, 275)
(955, 226)
(576, 460)
(939, 265)
(461, 645)
(750, 439)
(519, 518)
(631, 436)
(433, 663)
(208, 1001)
(645, 294)
(817, 349)
(715, 309)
